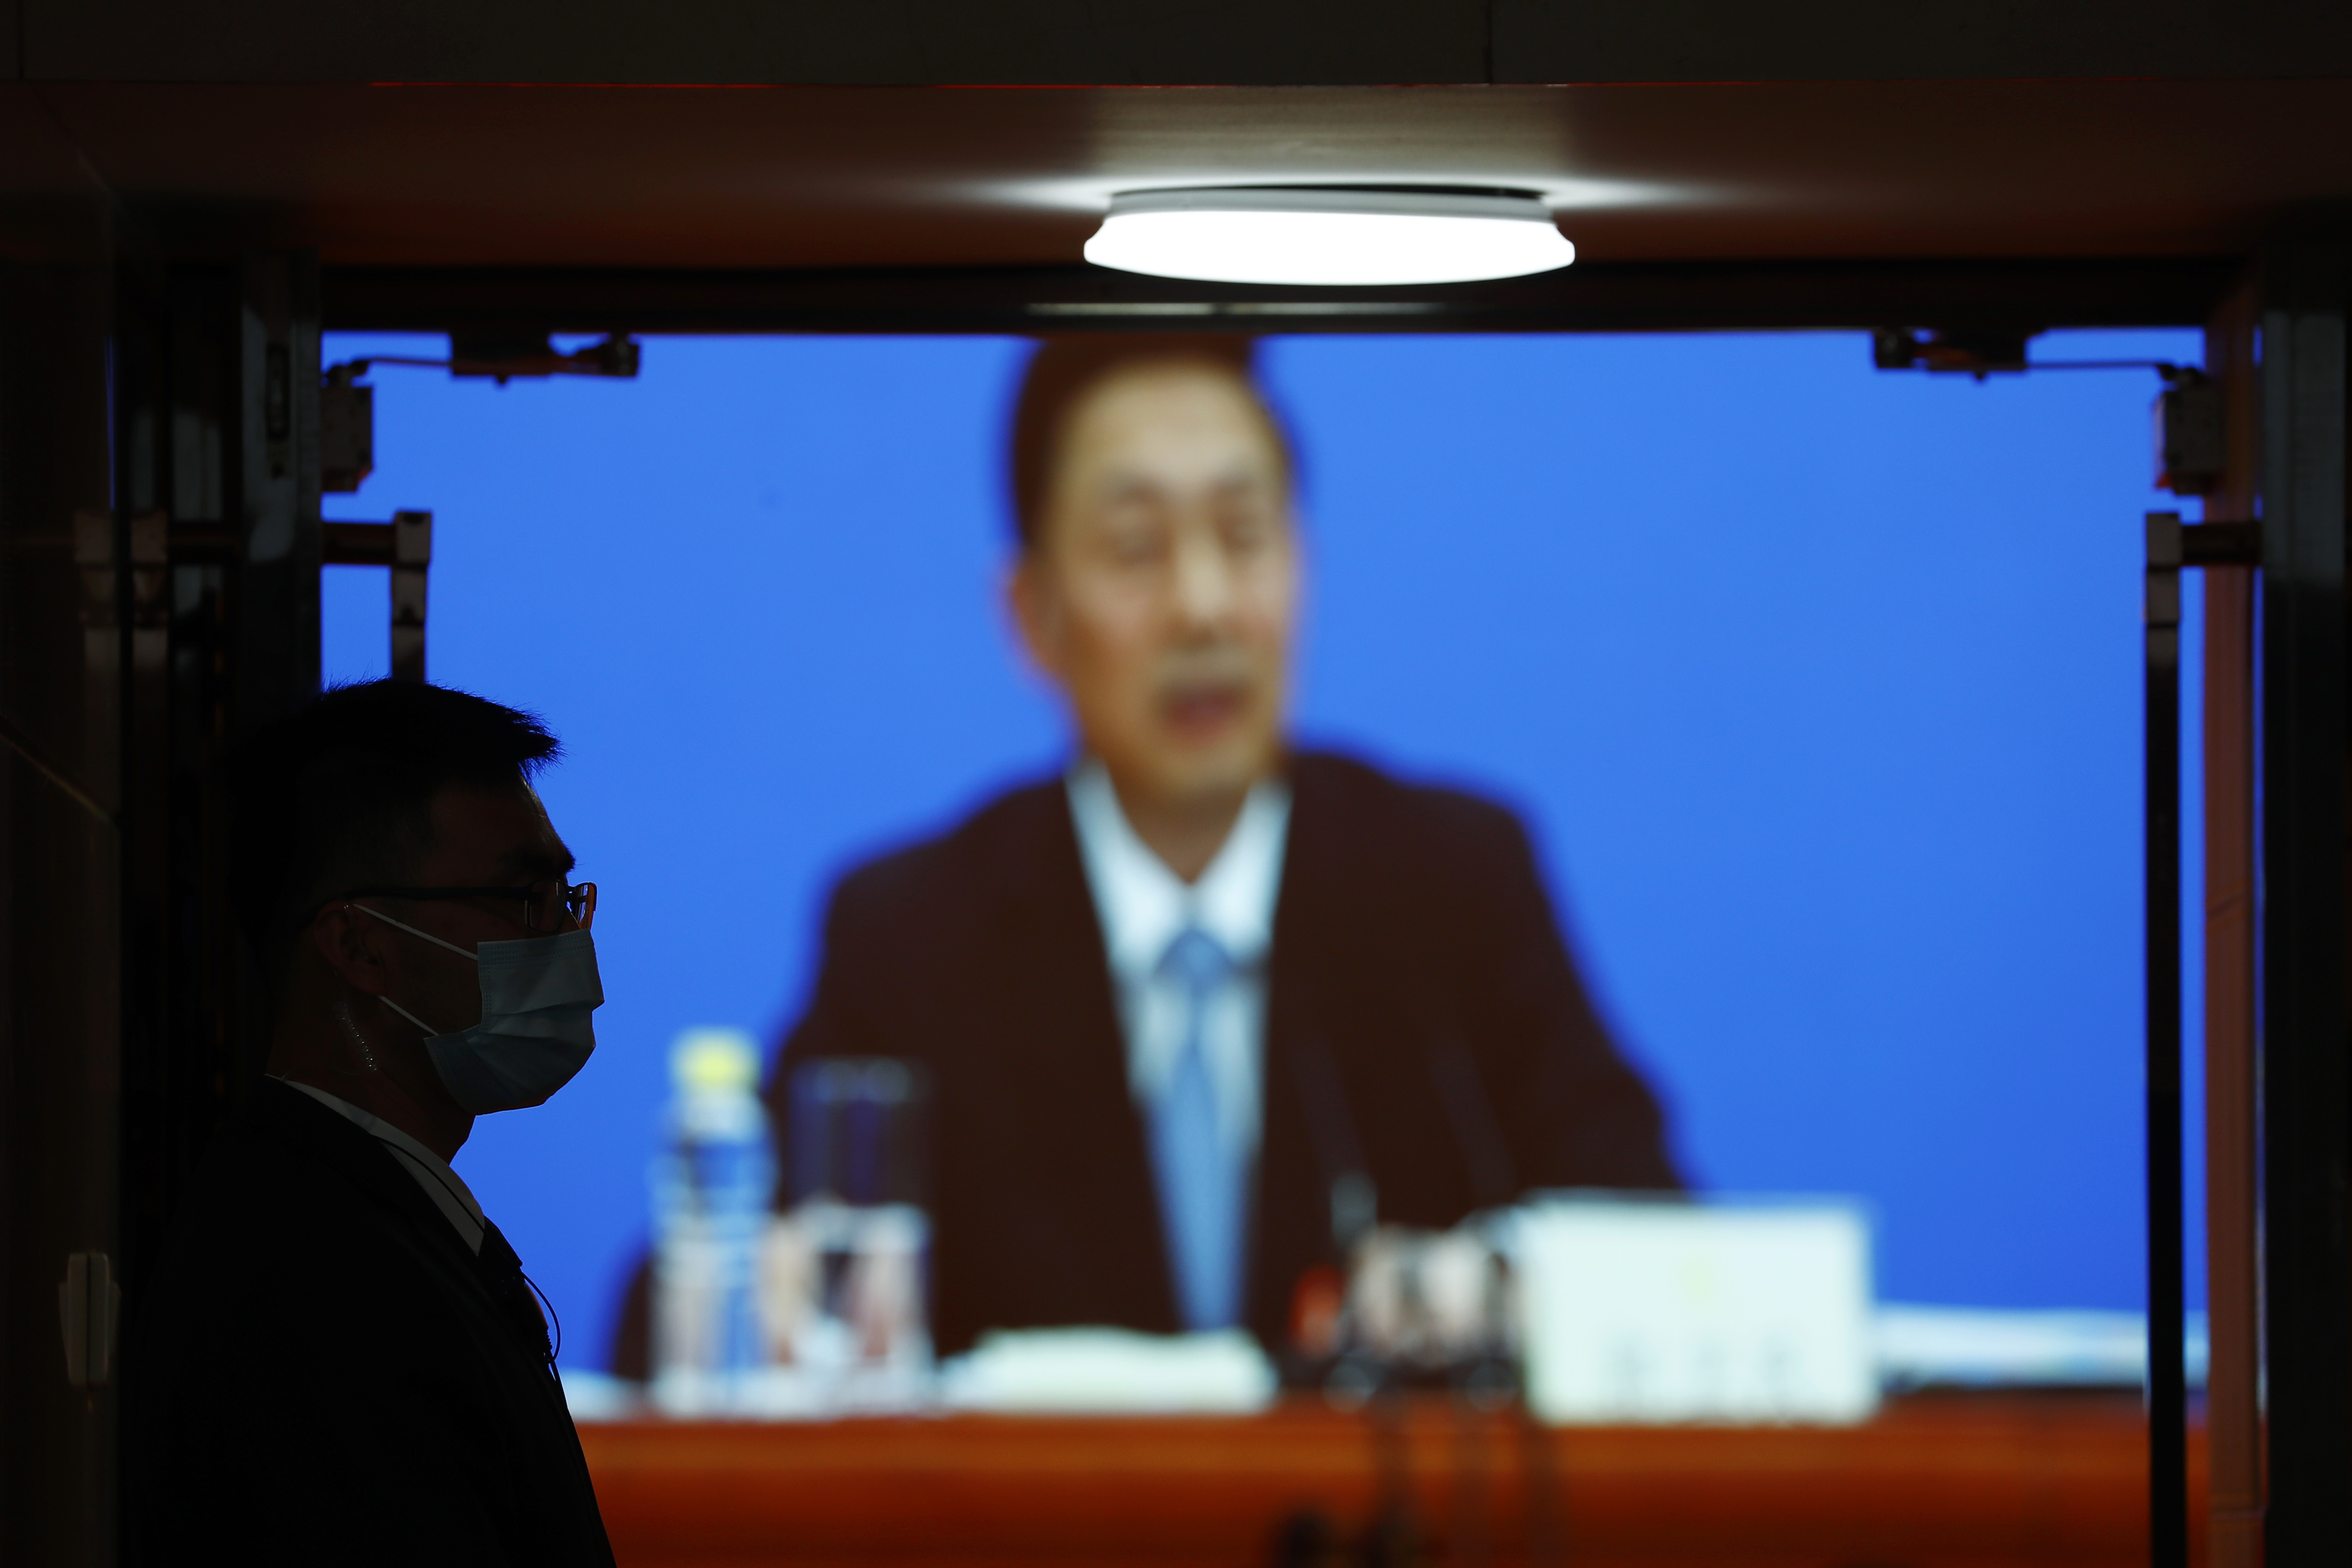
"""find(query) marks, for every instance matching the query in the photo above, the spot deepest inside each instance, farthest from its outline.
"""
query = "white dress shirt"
(1143, 906)
(443, 1186)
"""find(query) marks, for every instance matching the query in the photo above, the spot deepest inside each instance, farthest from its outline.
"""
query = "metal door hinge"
(88, 1303)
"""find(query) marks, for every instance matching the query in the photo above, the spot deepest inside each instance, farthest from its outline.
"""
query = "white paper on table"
(1110, 1371)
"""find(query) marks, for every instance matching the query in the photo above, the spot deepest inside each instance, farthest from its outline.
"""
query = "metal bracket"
(503, 356)
(411, 554)
(346, 432)
(2172, 546)
(1977, 351)
(2167, 1394)
(406, 545)
(2221, 543)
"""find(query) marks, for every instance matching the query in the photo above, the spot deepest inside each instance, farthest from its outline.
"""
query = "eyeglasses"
(544, 906)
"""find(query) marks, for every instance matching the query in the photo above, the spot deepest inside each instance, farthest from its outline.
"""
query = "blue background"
(1820, 688)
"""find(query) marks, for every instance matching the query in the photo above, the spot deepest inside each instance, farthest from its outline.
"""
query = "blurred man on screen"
(339, 1359)
(1202, 1006)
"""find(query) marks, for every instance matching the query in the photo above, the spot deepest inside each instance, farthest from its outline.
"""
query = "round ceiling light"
(1333, 236)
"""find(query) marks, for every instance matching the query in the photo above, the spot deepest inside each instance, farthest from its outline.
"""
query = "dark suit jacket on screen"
(322, 1372)
(1424, 1026)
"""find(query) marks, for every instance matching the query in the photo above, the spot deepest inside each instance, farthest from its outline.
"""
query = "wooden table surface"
(1935, 1481)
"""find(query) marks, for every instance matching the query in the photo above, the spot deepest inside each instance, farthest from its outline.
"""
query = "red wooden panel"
(1932, 1483)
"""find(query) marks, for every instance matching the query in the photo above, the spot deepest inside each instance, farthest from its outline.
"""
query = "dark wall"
(59, 943)
(1170, 41)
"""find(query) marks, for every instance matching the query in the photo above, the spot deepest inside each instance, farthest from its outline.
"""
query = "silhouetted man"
(1202, 1008)
(339, 1359)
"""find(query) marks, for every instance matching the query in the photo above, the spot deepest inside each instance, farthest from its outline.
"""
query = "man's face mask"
(536, 1032)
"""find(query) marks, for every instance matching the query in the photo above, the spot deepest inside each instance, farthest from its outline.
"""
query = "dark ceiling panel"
(898, 42)
(1861, 40)
(1685, 296)
(1239, 42)
(893, 177)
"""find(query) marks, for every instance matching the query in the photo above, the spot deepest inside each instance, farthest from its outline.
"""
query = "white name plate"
(1664, 1311)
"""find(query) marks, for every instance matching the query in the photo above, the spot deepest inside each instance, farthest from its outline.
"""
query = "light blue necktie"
(1200, 1179)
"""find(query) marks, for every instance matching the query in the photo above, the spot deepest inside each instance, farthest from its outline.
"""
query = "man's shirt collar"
(432, 1172)
(1143, 905)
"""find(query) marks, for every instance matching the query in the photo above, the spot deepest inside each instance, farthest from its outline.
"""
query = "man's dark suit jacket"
(1424, 1026)
(322, 1372)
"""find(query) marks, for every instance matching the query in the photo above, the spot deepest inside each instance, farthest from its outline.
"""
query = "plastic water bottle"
(712, 1185)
